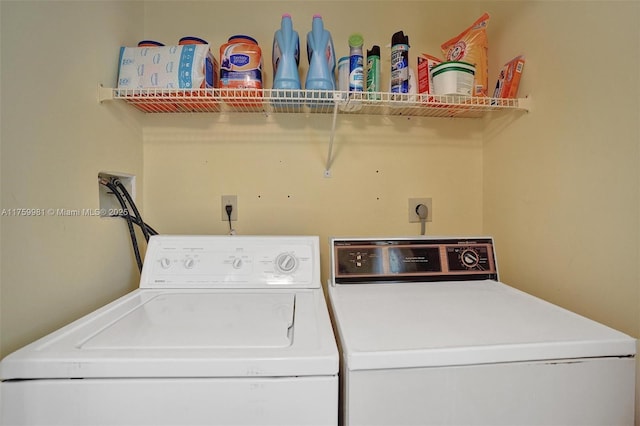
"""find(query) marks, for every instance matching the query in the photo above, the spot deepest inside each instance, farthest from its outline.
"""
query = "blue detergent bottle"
(286, 56)
(322, 59)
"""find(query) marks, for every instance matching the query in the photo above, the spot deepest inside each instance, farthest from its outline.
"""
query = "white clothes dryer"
(429, 336)
(223, 330)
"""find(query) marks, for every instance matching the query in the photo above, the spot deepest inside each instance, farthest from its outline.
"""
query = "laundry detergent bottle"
(322, 59)
(286, 56)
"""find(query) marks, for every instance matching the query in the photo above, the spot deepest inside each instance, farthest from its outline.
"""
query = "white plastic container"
(453, 78)
(343, 74)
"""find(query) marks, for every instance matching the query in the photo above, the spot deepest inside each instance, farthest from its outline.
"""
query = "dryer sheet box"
(189, 66)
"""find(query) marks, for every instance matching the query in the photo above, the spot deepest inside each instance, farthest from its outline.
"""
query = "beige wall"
(275, 165)
(561, 191)
(558, 187)
(55, 139)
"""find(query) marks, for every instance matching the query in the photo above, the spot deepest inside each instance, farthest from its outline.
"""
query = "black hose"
(149, 229)
(127, 216)
(133, 206)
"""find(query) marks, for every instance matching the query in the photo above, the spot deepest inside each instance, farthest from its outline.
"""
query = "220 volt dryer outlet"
(229, 200)
(414, 203)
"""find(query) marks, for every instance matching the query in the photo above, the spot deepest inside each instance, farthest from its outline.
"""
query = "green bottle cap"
(356, 40)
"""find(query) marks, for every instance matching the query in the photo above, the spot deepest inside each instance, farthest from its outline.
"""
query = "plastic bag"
(472, 46)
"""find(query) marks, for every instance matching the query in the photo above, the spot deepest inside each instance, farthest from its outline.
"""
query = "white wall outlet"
(108, 203)
(415, 202)
(229, 200)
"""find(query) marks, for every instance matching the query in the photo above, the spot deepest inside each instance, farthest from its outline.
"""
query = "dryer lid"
(462, 323)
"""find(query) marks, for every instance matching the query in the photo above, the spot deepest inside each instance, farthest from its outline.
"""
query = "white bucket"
(453, 78)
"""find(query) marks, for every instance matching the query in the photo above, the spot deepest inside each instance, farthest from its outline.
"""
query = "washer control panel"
(231, 262)
(363, 260)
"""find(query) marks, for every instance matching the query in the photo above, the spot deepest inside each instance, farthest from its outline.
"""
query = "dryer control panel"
(375, 260)
(210, 261)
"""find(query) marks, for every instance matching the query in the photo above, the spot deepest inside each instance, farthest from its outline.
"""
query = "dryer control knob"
(470, 258)
(165, 262)
(286, 263)
(237, 263)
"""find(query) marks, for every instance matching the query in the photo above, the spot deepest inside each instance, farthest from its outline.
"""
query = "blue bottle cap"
(192, 40)
(149, 43)
(242, 36)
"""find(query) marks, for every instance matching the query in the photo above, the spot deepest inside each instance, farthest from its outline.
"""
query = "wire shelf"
(309, 102)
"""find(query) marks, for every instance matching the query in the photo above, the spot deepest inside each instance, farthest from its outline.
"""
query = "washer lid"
(196, 321)
(188, 333)
(461, 323)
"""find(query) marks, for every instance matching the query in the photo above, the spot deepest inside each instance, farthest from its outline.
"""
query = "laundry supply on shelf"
(472, 46)
(241, 70)
(149, 43)
(166, 67)
(356, 63)
(321, 56)
(286, 56)
(425, 65)
(241, 63)
(453, 78)
(509, 78)
(343, 74)
(212, 72)
(399, 63)
(188, 66)
(373, 71)
(161, 105)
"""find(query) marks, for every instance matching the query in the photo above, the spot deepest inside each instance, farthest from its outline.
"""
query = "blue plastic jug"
(286, 56)
(322, 59)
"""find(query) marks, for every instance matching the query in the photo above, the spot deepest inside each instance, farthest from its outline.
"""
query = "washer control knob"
(165, 262)
(286, 263)
(237, 263)
(189, 263)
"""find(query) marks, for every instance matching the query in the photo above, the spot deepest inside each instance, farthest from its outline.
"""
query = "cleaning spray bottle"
(286, 56)
(373, 71)
(399, 63)
(322, 59)
(356, 66)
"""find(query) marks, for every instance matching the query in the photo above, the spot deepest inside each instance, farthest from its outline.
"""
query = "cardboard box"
(425, 64)
(509, 79)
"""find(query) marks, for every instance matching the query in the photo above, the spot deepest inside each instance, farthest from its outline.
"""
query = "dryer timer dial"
(470, 258)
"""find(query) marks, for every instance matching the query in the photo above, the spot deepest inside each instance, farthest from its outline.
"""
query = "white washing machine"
(222, 331)
(429, 336)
